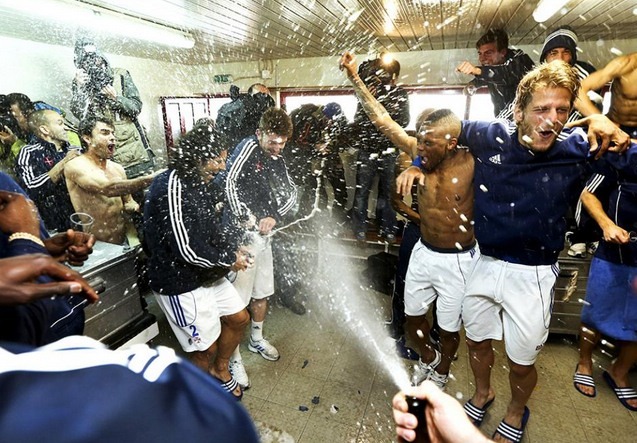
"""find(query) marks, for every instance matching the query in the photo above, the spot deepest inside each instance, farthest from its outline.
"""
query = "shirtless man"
(447, 245)
(98, 186)
(622, 71)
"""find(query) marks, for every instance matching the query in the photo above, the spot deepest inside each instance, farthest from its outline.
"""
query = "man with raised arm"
(98, 186)
(442, 258)
(526, 174)
(622, 72)
(500, 70)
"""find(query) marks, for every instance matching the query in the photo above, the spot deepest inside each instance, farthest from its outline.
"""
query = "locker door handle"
(98, 284)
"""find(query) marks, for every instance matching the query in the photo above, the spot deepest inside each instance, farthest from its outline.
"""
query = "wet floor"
(327, 388)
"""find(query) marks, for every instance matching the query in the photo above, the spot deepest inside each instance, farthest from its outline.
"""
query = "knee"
(520, 370)
(478, 346)
(449, 335)
(239, 320)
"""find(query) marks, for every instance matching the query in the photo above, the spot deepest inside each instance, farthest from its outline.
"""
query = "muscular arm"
(57, 171)
(397, 201)
(614, 69)
(375, 111)
(612, 232)
(100, 184)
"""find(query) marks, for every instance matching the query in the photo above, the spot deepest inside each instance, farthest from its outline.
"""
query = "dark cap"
(560, 38)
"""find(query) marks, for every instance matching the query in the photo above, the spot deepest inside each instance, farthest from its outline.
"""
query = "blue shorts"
(611, 300)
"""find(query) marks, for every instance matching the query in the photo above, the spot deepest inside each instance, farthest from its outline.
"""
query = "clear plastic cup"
(81, 221)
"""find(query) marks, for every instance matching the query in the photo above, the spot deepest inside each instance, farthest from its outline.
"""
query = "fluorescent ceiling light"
(99, 20)
(547, 9)
(392, 12)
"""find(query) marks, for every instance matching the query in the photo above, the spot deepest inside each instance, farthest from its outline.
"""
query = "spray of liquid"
(339, 290)
(355, 308)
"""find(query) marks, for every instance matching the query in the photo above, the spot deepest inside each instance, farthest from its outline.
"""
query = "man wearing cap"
(561, 44)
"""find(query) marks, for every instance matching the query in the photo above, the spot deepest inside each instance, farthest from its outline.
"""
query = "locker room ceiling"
(242, 30)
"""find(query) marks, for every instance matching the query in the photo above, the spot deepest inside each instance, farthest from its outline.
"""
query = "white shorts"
(516, 299)
(440, 275)
(195, 316)
(257, 281)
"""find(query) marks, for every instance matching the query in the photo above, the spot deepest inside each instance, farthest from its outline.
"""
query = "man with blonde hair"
(526, 174)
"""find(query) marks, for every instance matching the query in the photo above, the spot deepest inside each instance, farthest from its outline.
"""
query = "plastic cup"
(81, 221)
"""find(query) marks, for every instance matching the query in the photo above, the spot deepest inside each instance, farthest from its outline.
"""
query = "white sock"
(236, 355)
(257, 330)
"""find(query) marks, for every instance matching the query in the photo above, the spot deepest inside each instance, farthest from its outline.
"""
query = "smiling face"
(211, 167)
(434, 143)
(271, 143)
(543, 118)
(489, 55)
(54, 127)
(102, 141)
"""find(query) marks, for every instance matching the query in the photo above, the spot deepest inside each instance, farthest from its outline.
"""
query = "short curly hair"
(276, 121)
(547, 75)
(198, 145)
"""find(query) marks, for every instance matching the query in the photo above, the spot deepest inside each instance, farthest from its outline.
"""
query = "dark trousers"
(366, 170)
(411, 235)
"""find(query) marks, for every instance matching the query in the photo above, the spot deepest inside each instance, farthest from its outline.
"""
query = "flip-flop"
(512, 433)
(230, 386)
(475, 413)
(583, 380)
(623, 394)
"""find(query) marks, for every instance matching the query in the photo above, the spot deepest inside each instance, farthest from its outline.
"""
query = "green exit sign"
(222, 78)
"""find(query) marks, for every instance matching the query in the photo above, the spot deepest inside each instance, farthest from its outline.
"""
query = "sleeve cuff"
(23, 246)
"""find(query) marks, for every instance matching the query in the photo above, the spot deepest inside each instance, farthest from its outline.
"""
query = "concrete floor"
(325, 360)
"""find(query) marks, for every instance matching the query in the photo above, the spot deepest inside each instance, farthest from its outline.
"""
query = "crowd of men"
(488, 221)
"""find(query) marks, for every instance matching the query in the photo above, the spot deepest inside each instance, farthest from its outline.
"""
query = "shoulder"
(7, 183)
(572, 140)
(161, 182)
(116, 168)
(517, 54)
(585, 68)
(76, 163)
(498, 127)
(28, 150)
(244, 150)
